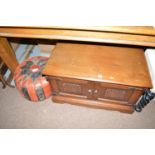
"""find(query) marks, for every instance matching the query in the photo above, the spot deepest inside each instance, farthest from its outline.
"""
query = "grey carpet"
(17, 112)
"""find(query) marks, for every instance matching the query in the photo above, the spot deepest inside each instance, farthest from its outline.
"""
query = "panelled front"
(72, 87)
(116, 93)
(103, 92)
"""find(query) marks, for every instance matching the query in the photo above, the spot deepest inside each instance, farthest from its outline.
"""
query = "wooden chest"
(98, 76)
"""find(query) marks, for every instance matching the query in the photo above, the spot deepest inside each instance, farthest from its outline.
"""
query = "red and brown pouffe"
(29, 80)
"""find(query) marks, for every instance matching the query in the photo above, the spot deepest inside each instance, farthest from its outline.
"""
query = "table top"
(128, 35)
(113, 64)
(145, 30)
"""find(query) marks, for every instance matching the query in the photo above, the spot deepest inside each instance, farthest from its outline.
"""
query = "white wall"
(150, 57)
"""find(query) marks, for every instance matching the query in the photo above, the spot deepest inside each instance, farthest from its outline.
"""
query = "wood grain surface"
(7, 54)
(119, 65)
(141, 36)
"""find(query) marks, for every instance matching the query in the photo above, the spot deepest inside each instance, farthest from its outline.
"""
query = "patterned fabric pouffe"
(29, 80)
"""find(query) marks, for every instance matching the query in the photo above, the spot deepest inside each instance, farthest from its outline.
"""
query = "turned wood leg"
(7, 54)
(145, 99)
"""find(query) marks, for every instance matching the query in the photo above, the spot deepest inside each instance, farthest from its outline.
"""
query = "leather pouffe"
(29, 80)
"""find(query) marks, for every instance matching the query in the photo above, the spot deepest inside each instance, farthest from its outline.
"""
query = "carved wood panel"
(73, 87)
(117, 94)
(70, 88)
(111, 93)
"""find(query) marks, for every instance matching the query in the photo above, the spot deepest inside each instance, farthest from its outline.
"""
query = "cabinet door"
(72, 87)
(115, 93)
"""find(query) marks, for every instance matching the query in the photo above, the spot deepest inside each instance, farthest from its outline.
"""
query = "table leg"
(7, 54)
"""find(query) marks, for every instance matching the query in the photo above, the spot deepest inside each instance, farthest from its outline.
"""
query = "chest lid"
(120, 65)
